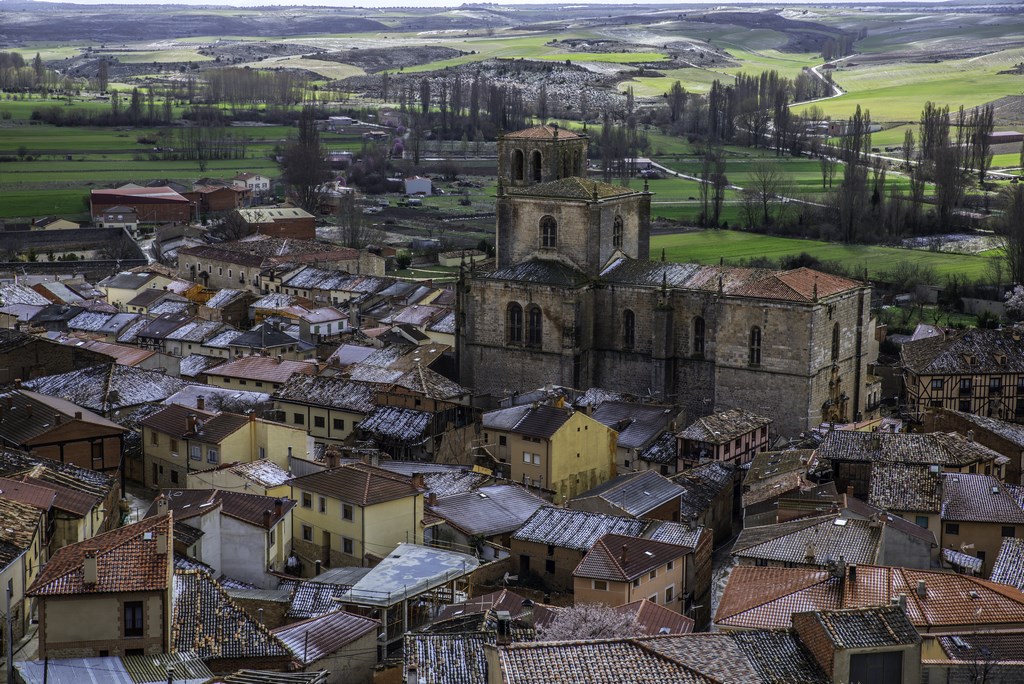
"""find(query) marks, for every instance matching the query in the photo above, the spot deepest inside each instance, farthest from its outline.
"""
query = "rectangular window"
(549, 567)
(272, 537)
(536, 459)
(339, 423)
(154, 437)
(347, 512)
(921, 521)
(669, 594)
(307, 500)
(936, 383)
(211, 455)
(527, 458)
(319, 421)
(322, 504)
(196, 453)
(346, 545)
(307, 533)
(1009, 531)
(636, 582)
(502, 440)
(133, 623)
(952, 528)
(174, 476)
(654, 573)
(600, 585)
(263, 453)
(670, 565)
(966, 385)
(300, 419)
(174, 446)
(995, 385)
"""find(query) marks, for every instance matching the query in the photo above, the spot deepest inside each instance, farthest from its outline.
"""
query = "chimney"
(268, 515)
(417, 481)
(201, 402)
(624, 556)
(278, 508)
(279, 358)
(970, 435)
(89, 571)
(995, 489)
(922, 589)
(528, 611)
(809, 552)
(431, 499)
(161, 505)
(78, 415)
(853, 572)
(903, 601)
(190, 423)
(57, 418)
(161, 543)
(504, 627)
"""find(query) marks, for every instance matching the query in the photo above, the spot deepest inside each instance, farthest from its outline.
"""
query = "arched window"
(535, 166)
(628, 329)
(698, 335)
(617, 231)
(755, 346)
(548, 232)
(514, 323)
(835, 343)
(534, 326)
(517, 165)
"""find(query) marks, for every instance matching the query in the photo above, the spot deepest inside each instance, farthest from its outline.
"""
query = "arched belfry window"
(518, 163)
(617, 231)
(698, 335)
(514, 323)
(535, 166)
(628, 329)
(755, 346)
(548, 232)
(534, 326)
(835, 343)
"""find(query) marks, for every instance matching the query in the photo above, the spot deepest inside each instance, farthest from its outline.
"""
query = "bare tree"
(590, 621)
(766, 182)
(305, 169)
(1011, 229)
(120, 248)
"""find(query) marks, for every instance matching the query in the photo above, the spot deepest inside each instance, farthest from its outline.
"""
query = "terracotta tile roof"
(263, 368)
(654, 619)
(357, 483)
(321, 637)
(212, 428)
(594, 662)
(450, 658)
(622, 559)
(543, 133)
(18, 523)
(1009, 565)
(724, 426)
(207, 622)
(716, 655)
(766, 597)
(249, 508)
(27, 493)
(969, 497)
(126, 560)
(76, 502)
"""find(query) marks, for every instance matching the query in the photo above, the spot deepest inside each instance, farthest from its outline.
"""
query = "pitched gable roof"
(127, 559)
(357, 483)
(321, 637)
(574, 529)
(212, 428)
(812, 541)
(622, 559)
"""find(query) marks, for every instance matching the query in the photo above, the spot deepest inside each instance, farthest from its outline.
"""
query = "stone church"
(576, 301)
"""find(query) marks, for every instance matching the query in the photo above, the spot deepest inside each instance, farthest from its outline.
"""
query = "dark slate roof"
(992, 351)
(1009, 566)
(778, 657)
(109, 387)
(357, 483)
(724, 426)
(827, 538)
(622, 559)
(663, 451)
(488, 511)
(636, 493)
(26, 415)
(547, 271)
(162, 326)
(945, 449)
(451, 658)
(312, 598)
(249, 508)
(209, 623)
(574, 529)
(86, 482)
(1012, 432)
(702, 484)
(638, 425)
(322, 637)
(397, 424)
(986, 651)
(533, 421)
(970, 497)
(572, 187)
(267, 336)
(900, 487)
(865, 627)
(333, 392)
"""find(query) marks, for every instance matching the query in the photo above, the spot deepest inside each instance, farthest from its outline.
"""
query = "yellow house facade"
(551, 447)
(352, 515)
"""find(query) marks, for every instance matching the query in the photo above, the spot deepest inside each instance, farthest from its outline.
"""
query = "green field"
(709, 246)
(612, 57)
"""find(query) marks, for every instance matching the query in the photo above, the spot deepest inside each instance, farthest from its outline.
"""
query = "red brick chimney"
(624, 556)
(201, 402)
